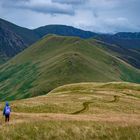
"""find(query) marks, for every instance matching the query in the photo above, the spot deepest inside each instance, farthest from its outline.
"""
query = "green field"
(57, 60)
(100, 111)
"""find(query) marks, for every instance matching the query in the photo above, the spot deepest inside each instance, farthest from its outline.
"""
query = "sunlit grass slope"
(56, 61)
(94, 97)
(86, 111)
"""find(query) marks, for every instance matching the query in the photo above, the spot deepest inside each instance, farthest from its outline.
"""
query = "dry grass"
(102, 111)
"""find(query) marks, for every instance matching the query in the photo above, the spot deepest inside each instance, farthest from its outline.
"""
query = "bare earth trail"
(86, 105)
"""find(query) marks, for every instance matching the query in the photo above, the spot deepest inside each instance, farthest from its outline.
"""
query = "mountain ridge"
(19, 38)
(57, 60)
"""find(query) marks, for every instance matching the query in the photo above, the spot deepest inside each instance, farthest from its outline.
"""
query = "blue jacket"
(6, 105)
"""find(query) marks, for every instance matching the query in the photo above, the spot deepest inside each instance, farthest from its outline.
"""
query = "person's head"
(7, 104)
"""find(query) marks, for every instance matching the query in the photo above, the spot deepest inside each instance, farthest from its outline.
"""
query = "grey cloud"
(94, 15)
(70, 1)
(13, 1)
(49, 9)
(42, 7)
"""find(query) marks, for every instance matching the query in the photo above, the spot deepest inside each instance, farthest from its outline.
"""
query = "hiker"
(6, 112)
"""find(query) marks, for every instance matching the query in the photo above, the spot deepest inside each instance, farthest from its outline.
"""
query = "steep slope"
(131, 56)
(57, 60)
(125, 44)
(14, 39)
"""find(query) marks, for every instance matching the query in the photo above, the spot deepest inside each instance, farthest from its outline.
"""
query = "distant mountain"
(57, 60)
(123, 39)
(64, 31)
(14, 39)
(125, 45)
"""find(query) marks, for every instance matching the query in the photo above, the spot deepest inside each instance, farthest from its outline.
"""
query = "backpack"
(7, 110)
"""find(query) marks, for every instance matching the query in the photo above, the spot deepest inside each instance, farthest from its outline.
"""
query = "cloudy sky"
(95, 15)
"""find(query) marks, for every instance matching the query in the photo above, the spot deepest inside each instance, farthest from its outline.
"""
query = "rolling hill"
(87, 111)
(57, 60)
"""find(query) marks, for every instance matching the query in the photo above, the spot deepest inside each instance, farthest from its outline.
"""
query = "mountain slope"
(122, 39)
(57, 60)
(126, 45)
(63, 30)
(14, 39)
(131, 56)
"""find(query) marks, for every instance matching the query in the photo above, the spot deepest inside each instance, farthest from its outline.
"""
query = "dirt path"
(85, 107)
(87, 104)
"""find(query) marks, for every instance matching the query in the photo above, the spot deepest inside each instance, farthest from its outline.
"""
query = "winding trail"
(86, 105)
(85, 108)
(115, 100)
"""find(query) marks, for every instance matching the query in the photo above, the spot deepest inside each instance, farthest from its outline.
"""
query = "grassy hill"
(14, 39)
(58, 60)
(84, 111)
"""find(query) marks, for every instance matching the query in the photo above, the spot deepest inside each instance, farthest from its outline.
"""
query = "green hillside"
(58, 60)
(130, 56)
